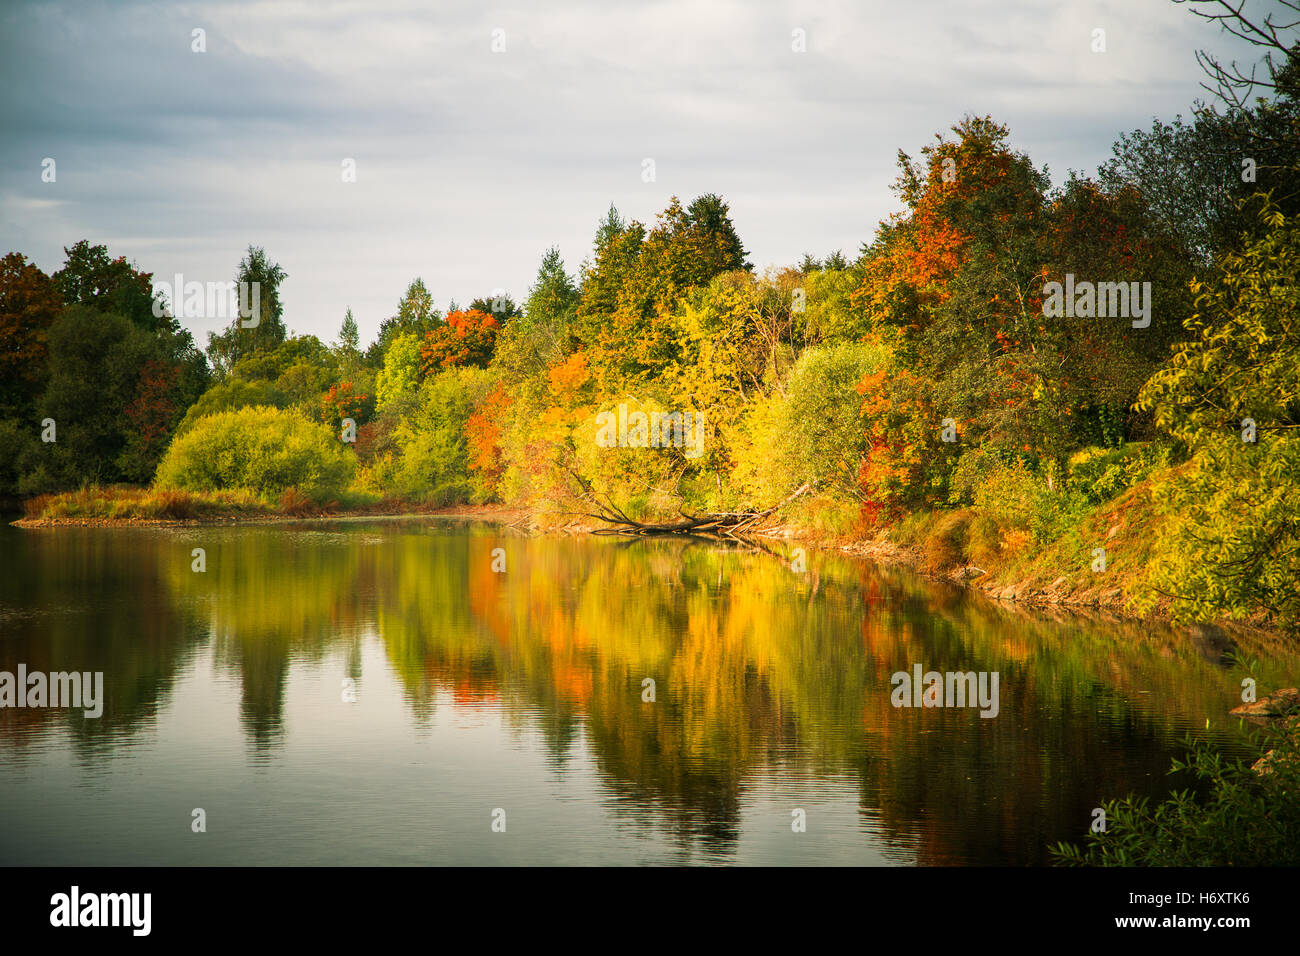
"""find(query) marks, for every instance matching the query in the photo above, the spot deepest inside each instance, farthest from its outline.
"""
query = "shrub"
(1101, 474)
(1244, 819)
(974, 468)
(984, 541)
(761, 451)
(1015, 497)
(640, 480)
(822, 517)
(229, 395)
(434, 453)
(945, 545)
(266, 450)
(823, 424)
(814, 432)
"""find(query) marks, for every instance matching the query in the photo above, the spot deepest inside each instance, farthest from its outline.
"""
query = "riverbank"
(504, 515)
(121, 507)
(1097, 567)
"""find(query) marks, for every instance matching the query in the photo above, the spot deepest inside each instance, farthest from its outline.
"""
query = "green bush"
(1245, 818)
(974, 468)
(230, 395)
(433, 466)
(1015, 497)
(824, 426)
(813, 432)
(1101, 474)
(263, 449)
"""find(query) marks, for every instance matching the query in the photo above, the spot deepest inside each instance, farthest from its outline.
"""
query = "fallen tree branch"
(730, 523)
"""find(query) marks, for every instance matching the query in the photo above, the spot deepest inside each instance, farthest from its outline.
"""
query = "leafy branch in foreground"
(1248, 816)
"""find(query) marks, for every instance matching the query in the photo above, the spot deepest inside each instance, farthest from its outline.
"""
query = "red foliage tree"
(342, 401)
(153, 414)
(483, 432)
(466, 338)
(29, 302)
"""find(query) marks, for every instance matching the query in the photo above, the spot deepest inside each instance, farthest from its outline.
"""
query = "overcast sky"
(470, 163)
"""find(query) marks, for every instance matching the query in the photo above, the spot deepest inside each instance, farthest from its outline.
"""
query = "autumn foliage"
(465, 339)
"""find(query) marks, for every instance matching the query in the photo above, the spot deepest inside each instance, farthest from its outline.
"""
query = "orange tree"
(483, 432)
(464, 339)
(341, 401)
(29, 302)
(955, 286)
(951, 287)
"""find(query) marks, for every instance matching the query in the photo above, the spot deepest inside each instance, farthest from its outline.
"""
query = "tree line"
(928, 372)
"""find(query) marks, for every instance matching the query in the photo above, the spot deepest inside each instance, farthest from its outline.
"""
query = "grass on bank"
(127, 503)
(1090, 546)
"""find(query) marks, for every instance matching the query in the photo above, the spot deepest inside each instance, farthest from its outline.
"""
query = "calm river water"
(374, 692)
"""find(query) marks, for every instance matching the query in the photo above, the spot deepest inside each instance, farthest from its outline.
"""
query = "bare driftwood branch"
(730, 523)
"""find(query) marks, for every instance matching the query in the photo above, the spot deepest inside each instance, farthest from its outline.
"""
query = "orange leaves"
(569, 376)
(938, 250)
(29, 302)
(483, 435)
(466, 323)
(977, 199)
(341, 402)
(903, 442)
(466, 338)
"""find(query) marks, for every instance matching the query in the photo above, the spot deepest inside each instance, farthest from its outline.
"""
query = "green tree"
(91, 277)
(396, 384)
(1192, 175)
(538, 338)
(296, 373)
(616, 248)
(415, 315)
(1232, 396)
(501, 307)
(95, 361)
(434, 451)
(227, 348)
(637, 278)
(349, 348)
(1271, 85)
